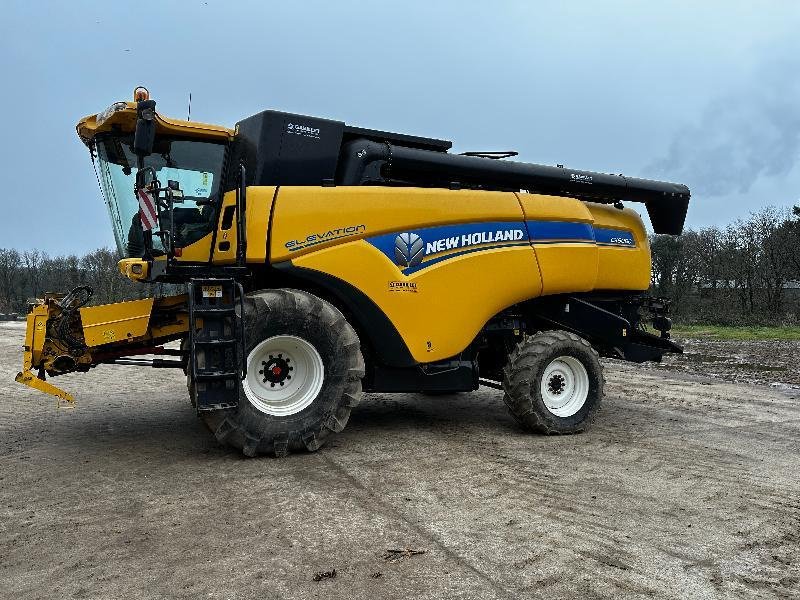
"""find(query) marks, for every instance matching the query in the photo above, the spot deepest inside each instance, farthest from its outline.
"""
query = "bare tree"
(11, 279)
(33, 261)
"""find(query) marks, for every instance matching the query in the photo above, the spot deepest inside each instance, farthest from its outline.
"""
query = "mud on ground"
(686, 487)
(767, 362)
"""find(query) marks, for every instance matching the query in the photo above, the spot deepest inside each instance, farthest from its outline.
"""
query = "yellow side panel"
(571, 266)
(622, 268)
(308, 219)
(115, 322)
(200, 251)
(438, 310)
(565, 267)
(258, 209)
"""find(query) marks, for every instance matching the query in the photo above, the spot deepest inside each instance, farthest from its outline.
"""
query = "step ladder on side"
(216, 342)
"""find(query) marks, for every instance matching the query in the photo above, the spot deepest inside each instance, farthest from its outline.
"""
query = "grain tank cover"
(279, 148)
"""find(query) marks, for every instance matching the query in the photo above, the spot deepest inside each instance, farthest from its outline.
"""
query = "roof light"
(141, 93)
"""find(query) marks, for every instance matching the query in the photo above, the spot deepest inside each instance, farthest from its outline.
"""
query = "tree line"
(29, 274)
(747, 272)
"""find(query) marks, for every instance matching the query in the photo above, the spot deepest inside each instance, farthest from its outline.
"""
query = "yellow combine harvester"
(321, 259)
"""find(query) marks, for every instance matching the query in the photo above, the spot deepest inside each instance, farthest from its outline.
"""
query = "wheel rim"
(284, 375)
(565, 386)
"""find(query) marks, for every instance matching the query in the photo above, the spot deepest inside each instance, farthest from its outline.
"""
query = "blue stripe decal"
(408, 249)
(560, 230)
(415, 250)
(433, 261)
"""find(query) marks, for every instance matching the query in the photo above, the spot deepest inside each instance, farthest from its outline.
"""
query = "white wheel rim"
(284, 375)
(565, 386)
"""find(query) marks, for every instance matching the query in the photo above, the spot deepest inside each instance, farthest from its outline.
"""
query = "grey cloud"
(746, 133)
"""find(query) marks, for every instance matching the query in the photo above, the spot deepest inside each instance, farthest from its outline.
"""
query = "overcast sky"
(707, 93)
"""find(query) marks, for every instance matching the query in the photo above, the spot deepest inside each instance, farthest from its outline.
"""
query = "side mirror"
(145, 135)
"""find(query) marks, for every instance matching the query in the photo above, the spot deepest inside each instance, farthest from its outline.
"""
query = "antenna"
(189, 117)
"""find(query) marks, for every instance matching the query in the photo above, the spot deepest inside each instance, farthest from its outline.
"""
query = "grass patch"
(738, 333)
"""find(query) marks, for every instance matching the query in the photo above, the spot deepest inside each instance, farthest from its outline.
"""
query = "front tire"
(304, 370)
(553, 383)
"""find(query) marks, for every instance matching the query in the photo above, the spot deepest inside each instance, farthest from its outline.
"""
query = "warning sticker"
(212, 291)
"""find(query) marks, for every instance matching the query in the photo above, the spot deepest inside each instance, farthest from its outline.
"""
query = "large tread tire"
(523, 376)
(297, 313)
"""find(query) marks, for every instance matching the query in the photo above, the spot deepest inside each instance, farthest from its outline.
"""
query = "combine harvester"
(321, 259)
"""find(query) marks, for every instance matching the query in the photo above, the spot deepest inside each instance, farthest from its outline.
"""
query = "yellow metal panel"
(225, 244)
(199, 251)
(115, 322)
(448, 303)
(36, 330)
(312, 218)
(35, 335)
(567, 267)
(622, 268)
(259, 207)
(571, 267)
(554, 208)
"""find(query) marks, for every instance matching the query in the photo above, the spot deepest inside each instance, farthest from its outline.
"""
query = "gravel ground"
(686, 487)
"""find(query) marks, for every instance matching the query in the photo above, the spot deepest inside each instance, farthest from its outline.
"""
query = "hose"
(69, 304)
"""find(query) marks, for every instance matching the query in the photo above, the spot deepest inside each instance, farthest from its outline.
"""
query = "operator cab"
(178, 164)
(191, 167)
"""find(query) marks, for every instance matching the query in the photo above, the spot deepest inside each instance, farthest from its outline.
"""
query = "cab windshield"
(195, 165)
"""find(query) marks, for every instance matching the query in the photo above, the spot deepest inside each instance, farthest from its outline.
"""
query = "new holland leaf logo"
(409, 250)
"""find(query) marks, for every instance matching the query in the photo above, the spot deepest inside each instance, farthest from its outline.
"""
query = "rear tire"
(304, 375)
(553, 383)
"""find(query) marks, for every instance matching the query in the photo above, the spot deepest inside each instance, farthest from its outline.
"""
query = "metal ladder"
(216, 342)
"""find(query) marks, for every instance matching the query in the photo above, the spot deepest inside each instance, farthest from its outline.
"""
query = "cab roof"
(121, 116)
